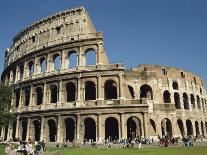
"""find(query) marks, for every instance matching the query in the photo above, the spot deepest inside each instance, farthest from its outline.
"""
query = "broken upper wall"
(63, 27)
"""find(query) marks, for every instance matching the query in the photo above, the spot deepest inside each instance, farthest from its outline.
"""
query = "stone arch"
(202, 128)
(111, 128)
(189, 126)
(14, 125)
(177, 100)
(72, 59)
(90, 57)
(153, 127)
(31, 68)
(185, 101)
(37, 129)
(53, 93)
(26, 96)
(192, 98)
(17, 97)
(90, 129)
(146, 92)
(24, 129)
(166, 127)
(70, 129)
(175, 85)
(181, 127)
(43, 65)
(71, 92)
(52, 126)
(39, 95)
(166, 97)
(56, 61)
(134, 128)
(90, 90)
(131, 90)
(197, 128)
(110, 89)
(198, 102)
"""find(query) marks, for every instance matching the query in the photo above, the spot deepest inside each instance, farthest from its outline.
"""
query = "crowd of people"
(26, 148)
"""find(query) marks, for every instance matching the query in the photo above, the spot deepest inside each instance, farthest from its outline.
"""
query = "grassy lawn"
(145, 151)
(114, 151)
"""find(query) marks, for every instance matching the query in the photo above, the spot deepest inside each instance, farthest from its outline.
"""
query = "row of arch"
(90, 91)
(42, 64)
(201, 103)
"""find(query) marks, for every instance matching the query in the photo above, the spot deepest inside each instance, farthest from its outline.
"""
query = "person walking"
(38, 148)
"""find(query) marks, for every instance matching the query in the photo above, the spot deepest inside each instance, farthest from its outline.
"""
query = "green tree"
(5, 105)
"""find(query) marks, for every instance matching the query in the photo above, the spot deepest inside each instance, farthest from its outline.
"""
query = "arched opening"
(70, 129)
(37, 130)
(5, 133)
(175, 85)
(146, 92)
(153, 126)
(197, 128)
(166, 127)
(133, 128)
(185, 101)
(90, 129)
(53, 94)
(131, 90)
(111, 129)
(177, 101)
(17, 95)
(166, 97)
(189, 127)
(71, 89)
(90, 57)
(202, 128)
(198, 102)
(14, 125)
(57, 62)
(110, 89)
(27, 96)
(90, 90)
(24, 130)
(43, 65)
(72, 60)
(39, 95)
(52, 130)
(181, 127)
(31, 68)
(192, 98)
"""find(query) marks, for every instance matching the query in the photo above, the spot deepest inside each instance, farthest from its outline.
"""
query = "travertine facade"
(56, 100)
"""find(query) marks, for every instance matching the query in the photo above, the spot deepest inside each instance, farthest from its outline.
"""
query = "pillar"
(123, 127)
(17, 128)
(31, 103)
(60, 92)
(100, 90)
(78, 127)
(145, 124)
(59, 130)
(28, 129)
(42, 132)
(100, 133)
(121, 86)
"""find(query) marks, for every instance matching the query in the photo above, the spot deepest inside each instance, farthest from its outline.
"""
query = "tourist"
(38, 148)
(8, 149)
(43, 145)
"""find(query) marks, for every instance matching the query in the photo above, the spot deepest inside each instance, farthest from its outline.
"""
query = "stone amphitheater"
(65, 89)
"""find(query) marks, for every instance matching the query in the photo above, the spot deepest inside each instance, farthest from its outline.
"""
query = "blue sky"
(164, 32)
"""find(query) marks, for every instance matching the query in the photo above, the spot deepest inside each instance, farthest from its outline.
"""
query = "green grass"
(145, 151)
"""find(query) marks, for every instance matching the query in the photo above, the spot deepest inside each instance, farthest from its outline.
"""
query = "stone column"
(123, 127)
(2, 133)
(145, 125)
(63, 59)
(17, 74)
(78, 91)
(60, 92)
(100, 133)
(21, 99)
(45, 95)
(99, 88)
(9, 135)
(28, 129)
(42, 134)
(31, 103)
(17, 128)
(121, 86)
(59, 130)
(78, 127)
(36, 66)
(81, 58)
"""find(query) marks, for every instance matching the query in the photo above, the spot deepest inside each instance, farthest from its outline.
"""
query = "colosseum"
(59, 95)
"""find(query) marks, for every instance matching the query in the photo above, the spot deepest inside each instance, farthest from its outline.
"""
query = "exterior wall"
(136, 95)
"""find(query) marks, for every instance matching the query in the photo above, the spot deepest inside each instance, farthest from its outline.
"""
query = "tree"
(5, 105)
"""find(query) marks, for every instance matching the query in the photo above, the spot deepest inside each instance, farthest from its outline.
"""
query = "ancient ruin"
(59, 96)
